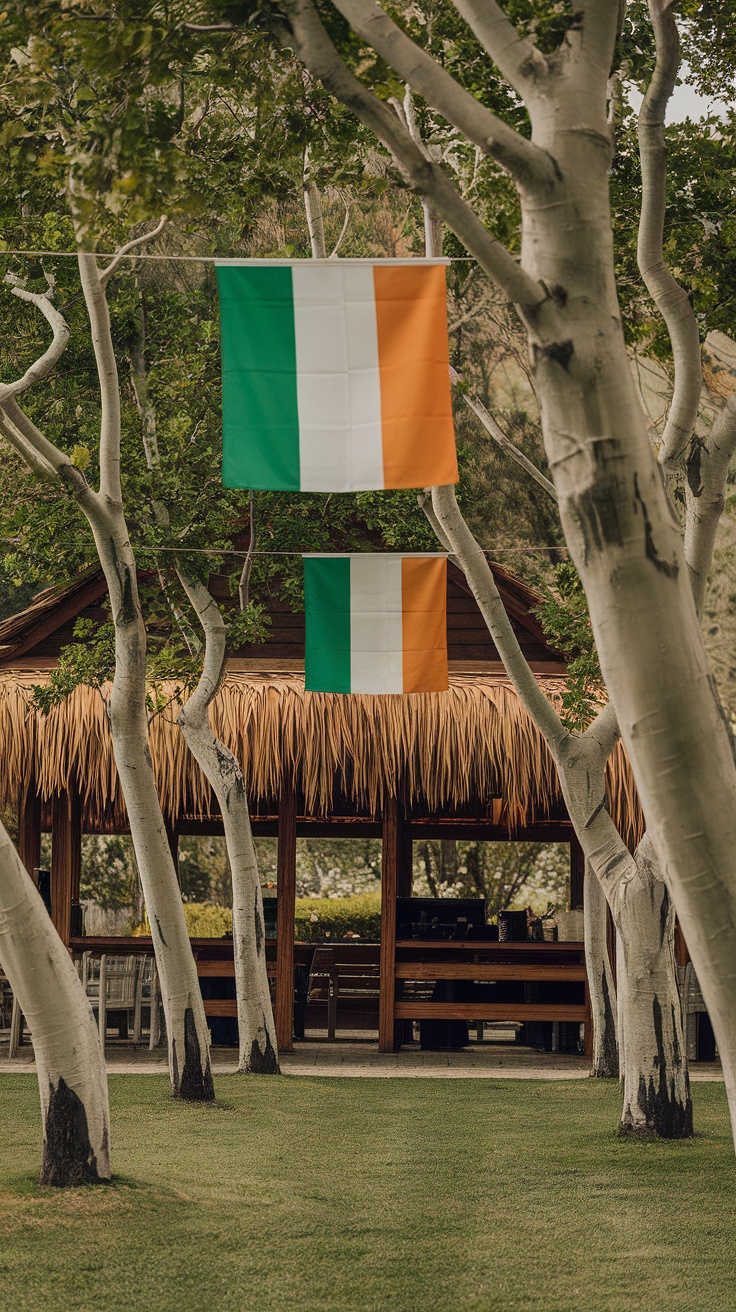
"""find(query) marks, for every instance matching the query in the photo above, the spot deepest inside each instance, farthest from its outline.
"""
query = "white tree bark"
(256, 1029)
(615, 515)
(628, 882)
(671, 299)
(186, 1024)
(601, 983)
(71, 1068)
(653, 1061)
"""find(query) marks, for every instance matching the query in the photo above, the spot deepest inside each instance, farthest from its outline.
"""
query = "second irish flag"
(335, 375)
(375, 623)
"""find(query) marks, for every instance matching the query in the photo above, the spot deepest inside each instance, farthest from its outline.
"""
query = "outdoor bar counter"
(416, 965)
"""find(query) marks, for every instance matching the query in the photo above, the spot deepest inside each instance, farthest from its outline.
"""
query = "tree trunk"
(580, 761)
(654, 1066)
(626, 546)
(71, 1068)
(600, 979)
(186, 1023)
(256, 1028)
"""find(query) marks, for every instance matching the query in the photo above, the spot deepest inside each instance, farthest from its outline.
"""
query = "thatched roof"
(455, 750)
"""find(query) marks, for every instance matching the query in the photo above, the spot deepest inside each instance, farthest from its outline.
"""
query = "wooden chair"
(111, 984)
(337, 975)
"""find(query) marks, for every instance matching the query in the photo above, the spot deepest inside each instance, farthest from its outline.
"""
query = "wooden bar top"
(491, 946)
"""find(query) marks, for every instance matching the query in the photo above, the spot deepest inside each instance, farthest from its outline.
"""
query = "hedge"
(318, 919)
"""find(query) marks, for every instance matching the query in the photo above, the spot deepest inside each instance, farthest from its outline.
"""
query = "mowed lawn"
(349, 1195)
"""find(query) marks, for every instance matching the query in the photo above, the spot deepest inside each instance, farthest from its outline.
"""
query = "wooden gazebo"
(468, 763)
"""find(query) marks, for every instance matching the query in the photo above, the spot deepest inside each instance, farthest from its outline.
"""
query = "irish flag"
(376, 623)
(335, 375)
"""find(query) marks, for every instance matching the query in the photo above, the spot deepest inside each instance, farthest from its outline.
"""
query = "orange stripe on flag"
(424, 624)
(414, 367)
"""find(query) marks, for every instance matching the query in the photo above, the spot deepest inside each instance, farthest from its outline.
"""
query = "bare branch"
(107, 372)
(43, 457)
(580, 758)
(530, 166)
(670, 298)
(432, 222)
(505, 443)
(424, 501)
(514, 55)
(479, 575)
(46, 362)
(27, 452)
(604, 729)
(313, 46)
(602, 23)
(472, 313)
(209, 27)
(106, 273)
(344, 228)
(248, 562)
(708, 464)
(210, 617)
(314, 212)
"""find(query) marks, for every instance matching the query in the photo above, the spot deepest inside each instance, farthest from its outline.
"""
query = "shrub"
(318, 919)
(204, 920)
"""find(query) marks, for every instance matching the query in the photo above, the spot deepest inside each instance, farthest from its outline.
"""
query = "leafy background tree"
(131, 115)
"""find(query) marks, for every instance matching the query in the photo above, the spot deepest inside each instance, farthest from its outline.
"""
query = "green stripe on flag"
(260, 421)
(327, 617)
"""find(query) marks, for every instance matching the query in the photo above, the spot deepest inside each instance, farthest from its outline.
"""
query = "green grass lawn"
(349, 1195)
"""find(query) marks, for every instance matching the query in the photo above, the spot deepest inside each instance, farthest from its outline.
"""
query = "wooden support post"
(29, 831)
(285, 915)
(403, 1029)
(389, 890)
(66, 858)
(577, 874)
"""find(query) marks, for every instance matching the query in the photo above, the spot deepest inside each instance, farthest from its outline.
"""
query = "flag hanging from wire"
(335, 375)
(375, 623)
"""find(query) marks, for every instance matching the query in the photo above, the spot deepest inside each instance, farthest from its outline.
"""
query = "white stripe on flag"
(376, 645)
(338, 382)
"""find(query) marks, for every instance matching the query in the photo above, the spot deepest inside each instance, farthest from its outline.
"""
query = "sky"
(685, 103)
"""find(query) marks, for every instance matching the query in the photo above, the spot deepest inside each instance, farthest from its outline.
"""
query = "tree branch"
(505, 443)
(604, 729)
(472, 561)
(25, 449)
(46, 362)
(19, 431)
(528, 165)
(108, 271)
(670, 298)
(707, 473)
(514, 55)
(43, 457)
(314, 212)
(248, 562)
(313, 46)
(602, 24)
(210, 617)
(107, 372)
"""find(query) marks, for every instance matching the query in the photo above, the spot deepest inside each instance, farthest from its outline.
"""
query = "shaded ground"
(335, 1195)
(357, 1057)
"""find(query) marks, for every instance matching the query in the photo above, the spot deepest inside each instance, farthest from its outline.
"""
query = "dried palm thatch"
(451, 751)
